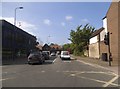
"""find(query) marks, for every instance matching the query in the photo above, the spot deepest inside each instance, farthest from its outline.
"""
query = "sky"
(52, 22)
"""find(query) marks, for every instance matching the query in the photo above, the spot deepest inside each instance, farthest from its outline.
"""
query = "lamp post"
(13, 55)
(15, 14)
(48, 39)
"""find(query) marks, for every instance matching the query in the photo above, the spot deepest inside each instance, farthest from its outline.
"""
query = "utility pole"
(107, 42)
(48, 39)
(14, 41)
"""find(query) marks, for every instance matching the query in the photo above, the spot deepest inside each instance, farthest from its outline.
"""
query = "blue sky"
(56, 19)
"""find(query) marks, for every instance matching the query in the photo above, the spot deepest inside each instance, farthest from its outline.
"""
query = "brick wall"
(103, 48)
(119, 32)
(112, 21)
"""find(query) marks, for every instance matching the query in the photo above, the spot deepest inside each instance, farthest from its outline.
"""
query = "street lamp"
(13, 54)
(48, 39)
(15, 14)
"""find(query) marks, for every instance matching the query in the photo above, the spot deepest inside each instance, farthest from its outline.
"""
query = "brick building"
(110, 24)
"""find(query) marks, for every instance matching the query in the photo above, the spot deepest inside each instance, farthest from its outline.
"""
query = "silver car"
(36, 57)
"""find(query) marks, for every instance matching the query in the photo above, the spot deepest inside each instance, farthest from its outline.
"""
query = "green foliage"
(66, 46)
(80, 38)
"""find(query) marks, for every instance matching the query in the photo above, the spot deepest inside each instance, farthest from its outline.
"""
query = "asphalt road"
(57, 73)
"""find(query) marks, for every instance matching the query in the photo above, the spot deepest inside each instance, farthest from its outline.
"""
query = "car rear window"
(65, 53)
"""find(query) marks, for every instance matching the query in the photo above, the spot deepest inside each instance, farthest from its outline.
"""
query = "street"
(57, 73)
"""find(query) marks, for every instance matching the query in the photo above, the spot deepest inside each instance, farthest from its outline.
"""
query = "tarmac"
(115, 67)
(99, 62)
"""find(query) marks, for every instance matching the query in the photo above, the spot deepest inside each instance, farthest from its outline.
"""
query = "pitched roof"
(39, 46)
(97, 32)
(55, 46)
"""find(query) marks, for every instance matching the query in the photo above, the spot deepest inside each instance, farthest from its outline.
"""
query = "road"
(57, 73)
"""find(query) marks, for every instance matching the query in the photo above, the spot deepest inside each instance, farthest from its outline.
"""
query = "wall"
(93, 40)
(105, 24)
(112, 21)
(102, 35)
(103, 47)
(119, 35)
(94, 50)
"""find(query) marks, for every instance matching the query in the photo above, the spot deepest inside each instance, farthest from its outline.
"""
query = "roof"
(39, 46)
(55, 46)
(104, 17)
(97, 32)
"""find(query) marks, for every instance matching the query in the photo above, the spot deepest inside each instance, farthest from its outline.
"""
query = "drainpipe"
(99, 45)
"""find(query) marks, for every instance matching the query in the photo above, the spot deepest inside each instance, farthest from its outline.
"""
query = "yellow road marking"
(111, 81)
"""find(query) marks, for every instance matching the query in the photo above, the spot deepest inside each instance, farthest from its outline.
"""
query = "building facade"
(110, 24)
(15, 41)
(94, 43)
(112, 27)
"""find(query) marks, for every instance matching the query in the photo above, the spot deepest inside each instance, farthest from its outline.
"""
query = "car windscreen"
(65, 53)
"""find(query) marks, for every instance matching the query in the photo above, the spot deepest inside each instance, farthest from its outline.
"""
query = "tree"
(66, 46)
(80, 38)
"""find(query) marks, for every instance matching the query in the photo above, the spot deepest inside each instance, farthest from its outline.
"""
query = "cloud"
(9, 19)
(85, 20)
(47, 21)
(26, 26)
(68, 18)
(63, 24)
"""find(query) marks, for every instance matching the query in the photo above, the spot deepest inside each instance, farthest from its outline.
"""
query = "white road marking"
(77, 74)
(72, 75)
(111, 81)
(97, 80)
(55, 60)
(94, 65)
(101, 72)
(43, 71)
(6, 79)
(98, 72)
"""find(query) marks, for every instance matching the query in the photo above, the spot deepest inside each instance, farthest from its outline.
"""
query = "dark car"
(36, 57)
(46, 55)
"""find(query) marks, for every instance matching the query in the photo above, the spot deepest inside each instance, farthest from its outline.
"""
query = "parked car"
(65, 55)
(46, 55)
(36, 57)
(53, 54)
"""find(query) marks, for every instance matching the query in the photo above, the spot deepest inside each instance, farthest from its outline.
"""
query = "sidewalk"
(16, 61)
(103, 64)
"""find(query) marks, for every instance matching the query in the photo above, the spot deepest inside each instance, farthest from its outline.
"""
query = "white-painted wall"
(93, 40)
(105, 24)
(102, 35)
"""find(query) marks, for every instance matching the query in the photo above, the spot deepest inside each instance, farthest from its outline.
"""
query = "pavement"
(16, 61)
(98, 62)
